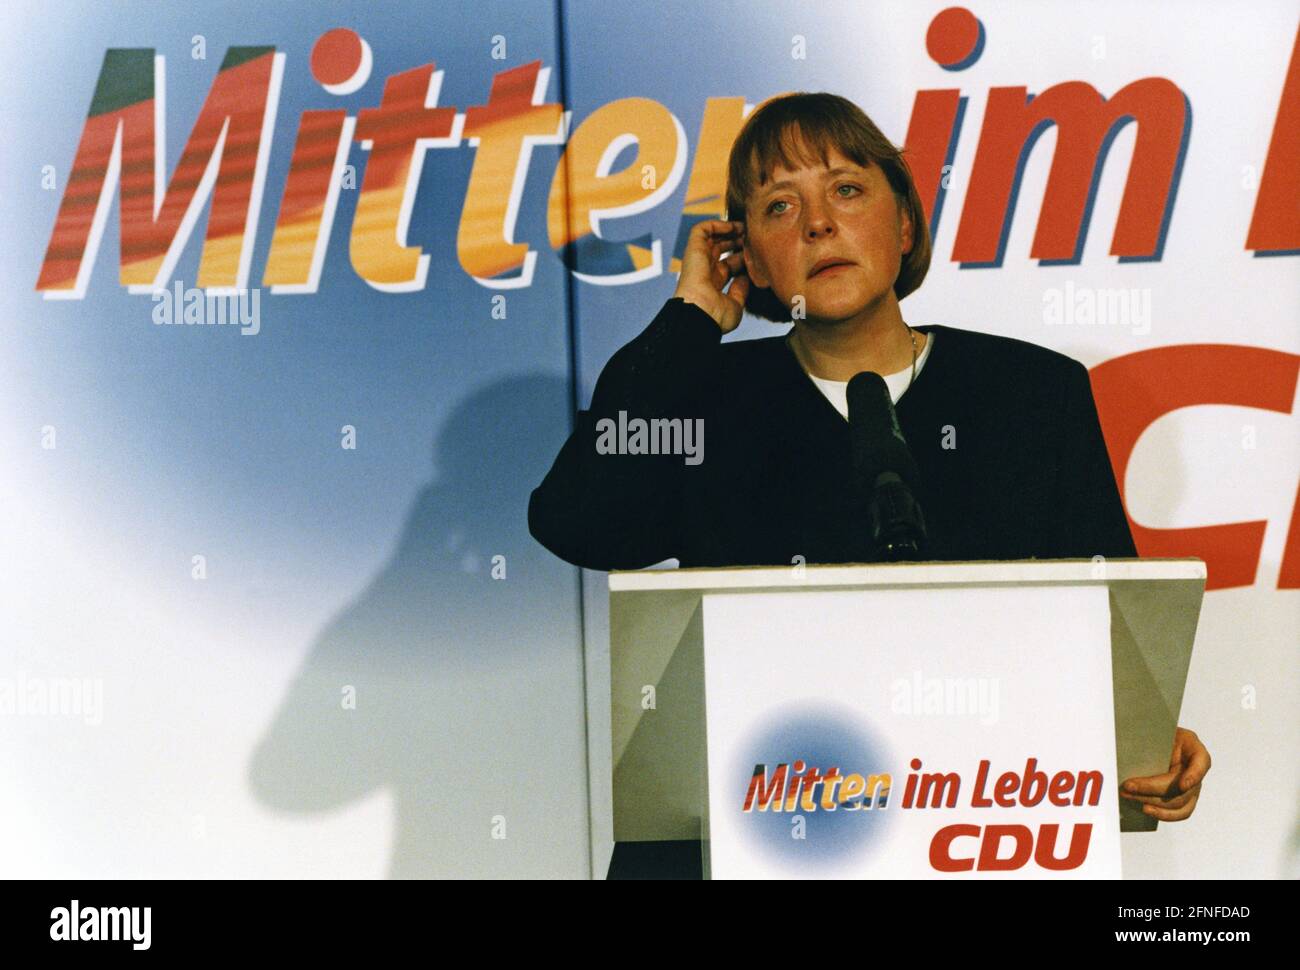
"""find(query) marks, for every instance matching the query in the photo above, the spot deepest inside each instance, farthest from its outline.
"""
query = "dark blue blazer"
(1004, 432)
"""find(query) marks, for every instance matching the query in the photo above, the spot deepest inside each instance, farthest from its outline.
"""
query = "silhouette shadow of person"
(455, 678)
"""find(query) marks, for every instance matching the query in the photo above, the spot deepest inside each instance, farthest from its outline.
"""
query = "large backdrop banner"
(300, 301)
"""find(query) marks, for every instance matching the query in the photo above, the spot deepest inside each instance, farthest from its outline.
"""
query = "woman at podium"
(743, 453)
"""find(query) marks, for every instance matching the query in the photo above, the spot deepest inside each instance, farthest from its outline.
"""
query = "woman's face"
(839, 211)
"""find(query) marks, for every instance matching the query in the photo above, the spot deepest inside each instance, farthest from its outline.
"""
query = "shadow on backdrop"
(468, 689)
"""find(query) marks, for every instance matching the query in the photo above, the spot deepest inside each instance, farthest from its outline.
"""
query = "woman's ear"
(905, 226)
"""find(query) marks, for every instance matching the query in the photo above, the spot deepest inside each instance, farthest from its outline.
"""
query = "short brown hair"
(820, 120)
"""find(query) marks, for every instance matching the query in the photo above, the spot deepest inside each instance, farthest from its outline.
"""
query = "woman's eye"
(854, 190)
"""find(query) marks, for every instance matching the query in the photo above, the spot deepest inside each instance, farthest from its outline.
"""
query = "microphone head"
(878, 442)
(871, 406)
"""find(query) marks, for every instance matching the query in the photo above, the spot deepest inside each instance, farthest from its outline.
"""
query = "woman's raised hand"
(705, 273)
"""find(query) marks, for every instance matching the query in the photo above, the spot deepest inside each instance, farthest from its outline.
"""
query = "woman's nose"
(817, 222)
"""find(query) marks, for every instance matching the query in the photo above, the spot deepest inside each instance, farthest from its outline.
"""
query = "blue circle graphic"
(822, 740)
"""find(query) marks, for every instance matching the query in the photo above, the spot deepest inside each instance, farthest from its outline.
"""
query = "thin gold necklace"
(912, 333)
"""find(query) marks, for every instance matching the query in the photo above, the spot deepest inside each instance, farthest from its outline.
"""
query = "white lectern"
(919, 720)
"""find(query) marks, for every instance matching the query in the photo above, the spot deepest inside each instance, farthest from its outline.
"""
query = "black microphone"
(884, 470)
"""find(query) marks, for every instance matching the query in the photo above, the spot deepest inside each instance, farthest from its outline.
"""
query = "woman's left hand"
(1172, 796)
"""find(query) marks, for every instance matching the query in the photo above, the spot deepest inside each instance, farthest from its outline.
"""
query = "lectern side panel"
(657, 714)
(1153, 626)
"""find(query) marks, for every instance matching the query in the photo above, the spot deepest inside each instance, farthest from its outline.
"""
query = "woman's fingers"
(1197, 757)
(711, 263)
(1158, 785)
(704, 259)
(1171, 797)
(712, 272)
(709, 232)
(1177, 801)
(733, 264)
(739, 290)
(721, 244)
(728, 252)
(1171, 815)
